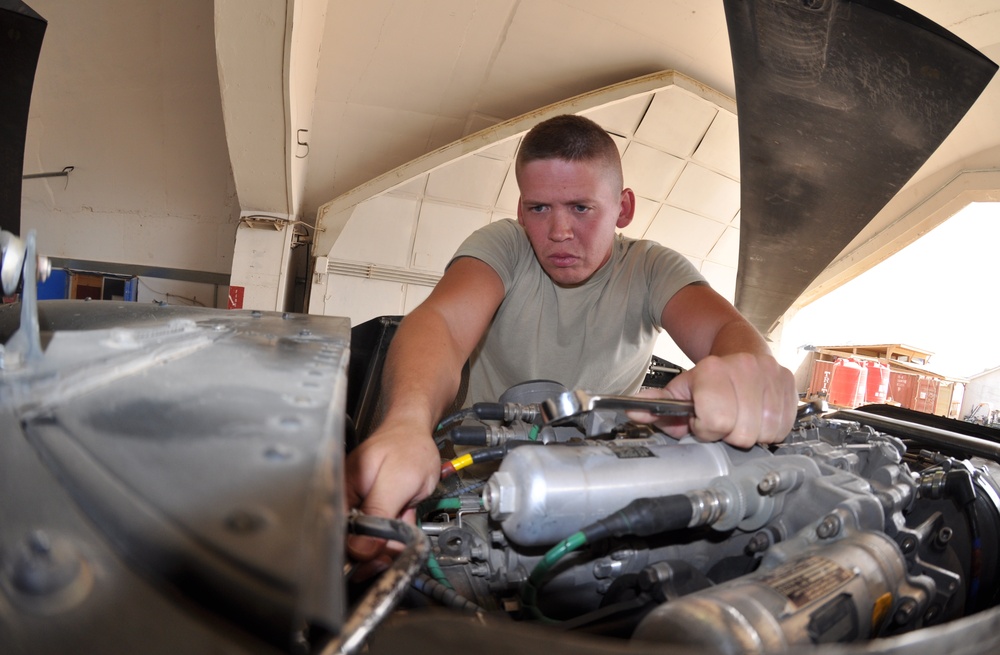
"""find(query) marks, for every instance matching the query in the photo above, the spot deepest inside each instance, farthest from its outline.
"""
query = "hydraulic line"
(388, 589)
(923, 434)
(492, 412)
(491, 435)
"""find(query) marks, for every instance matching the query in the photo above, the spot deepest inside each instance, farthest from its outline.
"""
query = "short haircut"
(572, 138)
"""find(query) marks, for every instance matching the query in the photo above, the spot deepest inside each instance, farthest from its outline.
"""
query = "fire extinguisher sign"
(236, 297)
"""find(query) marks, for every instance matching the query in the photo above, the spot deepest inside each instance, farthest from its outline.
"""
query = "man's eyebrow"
(571, 201)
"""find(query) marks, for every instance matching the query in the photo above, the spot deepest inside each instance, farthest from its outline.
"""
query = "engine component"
(840, 592)
(838, 534)
(542, 495)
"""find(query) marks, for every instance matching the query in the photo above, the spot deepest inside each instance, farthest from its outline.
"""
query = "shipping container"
(902, 387)
(925, 396)
(822, 375)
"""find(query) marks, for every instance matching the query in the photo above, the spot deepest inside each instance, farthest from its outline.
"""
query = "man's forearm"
(739, 336)
(424, 367)
(422, 371)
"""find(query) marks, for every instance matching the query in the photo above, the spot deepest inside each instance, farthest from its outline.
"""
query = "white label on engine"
(625, 451)
(807, 579)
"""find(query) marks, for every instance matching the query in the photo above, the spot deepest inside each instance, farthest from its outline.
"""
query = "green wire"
(435, 570)
(440, 504)
(447, 503)
(529, 593)
(433, 567)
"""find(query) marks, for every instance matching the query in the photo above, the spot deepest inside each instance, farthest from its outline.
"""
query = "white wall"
(128, 93)
(175, 292)
(982, 389)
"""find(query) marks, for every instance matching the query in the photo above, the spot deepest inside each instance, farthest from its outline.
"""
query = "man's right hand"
(387, 475)
(399, 464)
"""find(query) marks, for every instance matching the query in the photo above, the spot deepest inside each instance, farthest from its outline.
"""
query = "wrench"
(570, 404)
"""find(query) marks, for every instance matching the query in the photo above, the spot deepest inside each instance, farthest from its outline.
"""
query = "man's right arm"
(399, 464)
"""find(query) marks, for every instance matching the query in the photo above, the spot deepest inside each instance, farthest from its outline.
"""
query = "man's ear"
(626, 210)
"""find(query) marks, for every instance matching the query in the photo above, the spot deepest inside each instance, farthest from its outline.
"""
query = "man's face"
(569, 210)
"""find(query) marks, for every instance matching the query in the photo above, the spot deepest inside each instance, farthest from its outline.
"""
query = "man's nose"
(561, 226)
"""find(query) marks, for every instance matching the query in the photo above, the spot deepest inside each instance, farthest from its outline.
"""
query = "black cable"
(470, 435)
(489, 411)
(454, 419)
(442, 594)
(643, 517)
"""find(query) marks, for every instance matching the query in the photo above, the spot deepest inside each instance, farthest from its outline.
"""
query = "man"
(559, 296)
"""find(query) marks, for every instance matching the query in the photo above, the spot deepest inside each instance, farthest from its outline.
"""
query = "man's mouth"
(562, 259)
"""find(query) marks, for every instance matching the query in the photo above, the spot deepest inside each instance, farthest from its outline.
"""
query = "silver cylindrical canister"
(841, 592)
(543, 494)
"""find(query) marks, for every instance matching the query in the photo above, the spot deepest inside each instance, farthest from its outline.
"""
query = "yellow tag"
(879, 612)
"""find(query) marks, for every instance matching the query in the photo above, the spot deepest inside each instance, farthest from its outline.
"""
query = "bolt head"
(500, 496)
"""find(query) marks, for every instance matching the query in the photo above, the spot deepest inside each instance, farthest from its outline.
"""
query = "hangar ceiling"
(680, 155)
(972, 145)
(395, 81)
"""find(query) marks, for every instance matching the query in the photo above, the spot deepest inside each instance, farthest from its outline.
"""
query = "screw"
(828, 527)
(623, 554)
(606, 569)
(908, 544)
(907, 608)
(758, 543)
(768, 484)
(943, 536)
(40, 566)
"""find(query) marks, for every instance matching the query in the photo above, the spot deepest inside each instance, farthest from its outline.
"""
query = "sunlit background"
(940, 294)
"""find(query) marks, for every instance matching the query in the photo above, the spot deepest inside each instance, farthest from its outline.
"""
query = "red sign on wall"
(236, 297)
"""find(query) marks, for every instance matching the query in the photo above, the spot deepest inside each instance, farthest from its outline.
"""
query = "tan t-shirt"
(598, 337)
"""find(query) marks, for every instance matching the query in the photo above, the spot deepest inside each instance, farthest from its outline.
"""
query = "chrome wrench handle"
(573, 403)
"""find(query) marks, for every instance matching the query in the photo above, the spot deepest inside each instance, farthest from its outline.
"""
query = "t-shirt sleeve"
(667, 272)
(501, 245)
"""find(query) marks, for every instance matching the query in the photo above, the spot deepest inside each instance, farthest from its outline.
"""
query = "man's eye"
(581, 209)
(537, 209)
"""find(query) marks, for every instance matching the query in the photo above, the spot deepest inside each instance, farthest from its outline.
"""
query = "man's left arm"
(741, 394)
